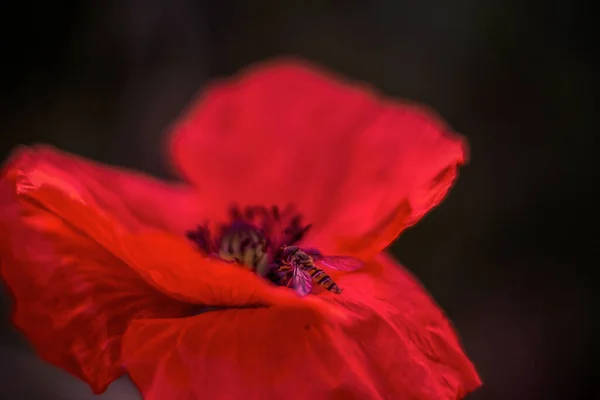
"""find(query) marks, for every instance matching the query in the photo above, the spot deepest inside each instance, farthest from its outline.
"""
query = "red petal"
(400, 347)
(171, 265)
(79, 277)
(135, 199)
(361, 168)
(74, 297)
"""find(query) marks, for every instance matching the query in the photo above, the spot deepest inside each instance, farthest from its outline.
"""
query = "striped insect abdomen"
(323, 279)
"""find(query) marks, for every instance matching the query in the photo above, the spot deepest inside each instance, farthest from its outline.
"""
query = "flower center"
(253, 237)
(266, 242)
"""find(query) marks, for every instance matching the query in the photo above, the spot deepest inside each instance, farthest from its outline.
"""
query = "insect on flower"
(245, 241)
(109, 279)
(301, 266)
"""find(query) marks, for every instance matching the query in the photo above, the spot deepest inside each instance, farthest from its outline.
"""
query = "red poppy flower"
(105, 280)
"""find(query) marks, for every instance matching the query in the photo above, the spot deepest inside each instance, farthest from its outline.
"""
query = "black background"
(503, 255)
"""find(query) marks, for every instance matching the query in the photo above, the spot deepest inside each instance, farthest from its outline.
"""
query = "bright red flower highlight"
(106, 282)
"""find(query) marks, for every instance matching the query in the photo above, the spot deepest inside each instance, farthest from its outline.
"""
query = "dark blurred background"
(503, 255)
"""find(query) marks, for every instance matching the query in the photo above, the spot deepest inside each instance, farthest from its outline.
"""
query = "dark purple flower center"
(265, 240)
(254, 237)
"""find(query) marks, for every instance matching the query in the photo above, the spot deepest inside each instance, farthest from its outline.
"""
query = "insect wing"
(339, 263)
(301, 281)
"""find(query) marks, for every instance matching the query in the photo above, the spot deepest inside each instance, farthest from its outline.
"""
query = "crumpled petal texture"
(360, 167)
(80, 273)
(137, 200)
(401, 347)
(73, 296)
